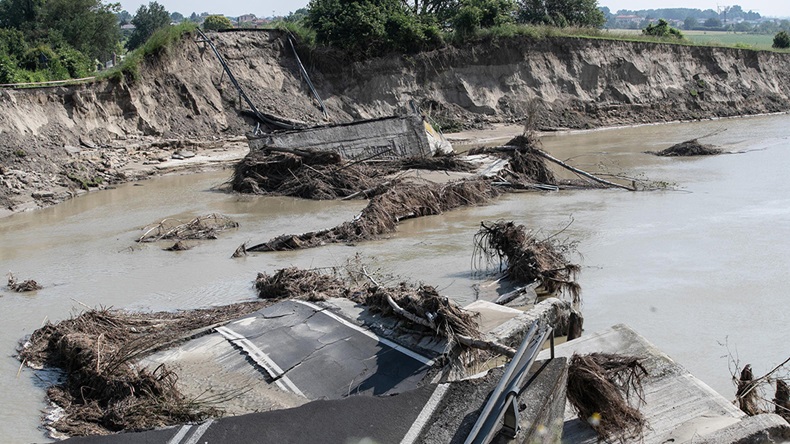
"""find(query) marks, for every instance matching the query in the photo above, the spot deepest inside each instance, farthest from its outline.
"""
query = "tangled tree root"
(24, 286)
(526, 166)
(105, 391)
(307, 174)
(201, 227)
(422, 305)
(437, 163)
(527, 259)
(599, 388)
(299, 284)
(782, 399)
(752, 393)
(382, 215)
(691, 147)
(446, 318)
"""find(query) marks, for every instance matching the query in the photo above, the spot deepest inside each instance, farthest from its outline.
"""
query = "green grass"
(739, 40)
(159, 42)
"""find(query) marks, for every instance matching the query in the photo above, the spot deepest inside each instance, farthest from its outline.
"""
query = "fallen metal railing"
(306, 77)
(502, 405)
(242, 94)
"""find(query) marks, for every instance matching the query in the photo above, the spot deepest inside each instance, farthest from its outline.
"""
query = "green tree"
(124, 17)
(147, 20)
(370, 26)
(713, 23)
(176, 17)
(475, 14)
(584, 13)
(216, 23)
(89, 26)
(13, 43)
(20, 14)
(782, 40)
(662, 29)
(690, 23)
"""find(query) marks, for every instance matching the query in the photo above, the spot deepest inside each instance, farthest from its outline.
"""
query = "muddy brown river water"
(700, 270)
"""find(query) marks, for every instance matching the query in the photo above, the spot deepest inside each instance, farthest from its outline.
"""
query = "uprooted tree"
(527, 259)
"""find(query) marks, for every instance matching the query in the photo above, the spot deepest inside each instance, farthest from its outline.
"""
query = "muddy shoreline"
(156, 157)
(119, 164)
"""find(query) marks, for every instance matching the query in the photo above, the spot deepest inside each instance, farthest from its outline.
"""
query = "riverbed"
(697, 267)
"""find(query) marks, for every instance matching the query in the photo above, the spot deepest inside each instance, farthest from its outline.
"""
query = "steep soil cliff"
(82, 136)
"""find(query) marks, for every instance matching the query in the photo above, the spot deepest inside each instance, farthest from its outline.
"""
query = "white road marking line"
(425, 414)
(261, 359)
(180, 435)
(370, 334)
(199, 431)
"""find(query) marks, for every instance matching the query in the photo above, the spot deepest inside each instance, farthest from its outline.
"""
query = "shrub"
(76, 63)
(781, 40)
(217, 23)
(662, 29)
(8, 70)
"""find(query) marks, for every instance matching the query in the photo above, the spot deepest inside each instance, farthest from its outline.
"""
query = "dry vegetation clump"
(24, 286)
(752, 393)
(691, 147)
(105, 391)
(525, 162)
(308, 174)
(527, 258)
(295, 283)
(437, 163)
(446, 318)
(600, 386)
(525, 165)
(424, 301)
(381, 216)
(201, 227)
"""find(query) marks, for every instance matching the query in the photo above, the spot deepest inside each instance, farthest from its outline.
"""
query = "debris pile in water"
(307, 174)
(201, 227)
(526, 258)
(105, 391)
(691, 147)
(24, 286)
(381, 216)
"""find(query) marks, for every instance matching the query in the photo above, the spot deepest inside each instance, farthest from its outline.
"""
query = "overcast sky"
(266, 8)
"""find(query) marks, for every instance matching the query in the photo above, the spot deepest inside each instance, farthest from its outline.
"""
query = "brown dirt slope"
(569, 82)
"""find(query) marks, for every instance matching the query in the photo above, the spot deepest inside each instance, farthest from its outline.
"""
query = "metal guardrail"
(49, 84)
(502, 404)
(235, 82)
(306, 77)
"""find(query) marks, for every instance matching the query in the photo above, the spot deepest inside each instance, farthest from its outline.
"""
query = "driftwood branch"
(463, 340)
(551, 158)
(486, 345)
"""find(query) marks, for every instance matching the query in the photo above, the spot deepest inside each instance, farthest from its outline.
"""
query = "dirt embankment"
(56, 141)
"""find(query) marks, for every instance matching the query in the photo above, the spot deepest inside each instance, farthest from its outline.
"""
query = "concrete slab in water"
(678, 406)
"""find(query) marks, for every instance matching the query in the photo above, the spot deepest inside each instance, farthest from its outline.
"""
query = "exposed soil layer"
(58, 141)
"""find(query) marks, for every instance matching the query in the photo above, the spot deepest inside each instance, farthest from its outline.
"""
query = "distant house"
(246, 18)
(128, 27)
(625, 19)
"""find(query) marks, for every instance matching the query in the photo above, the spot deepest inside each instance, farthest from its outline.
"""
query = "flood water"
(698, 270)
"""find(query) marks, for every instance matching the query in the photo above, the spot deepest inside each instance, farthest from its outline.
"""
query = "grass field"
(754, 41)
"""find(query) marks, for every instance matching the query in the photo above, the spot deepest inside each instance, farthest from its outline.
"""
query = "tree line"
(42, 40)
(375, 26)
